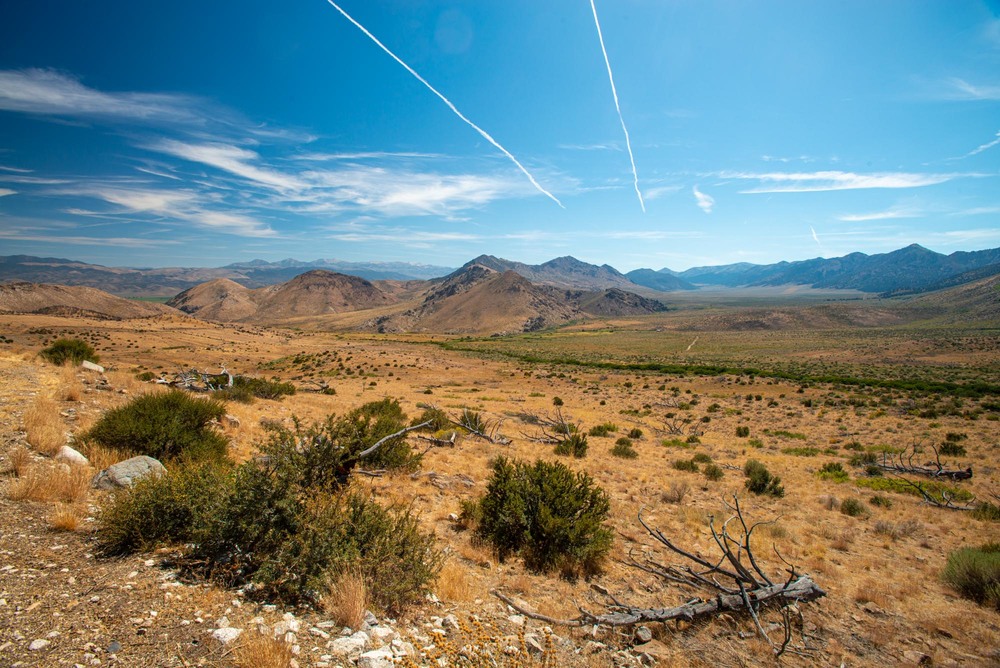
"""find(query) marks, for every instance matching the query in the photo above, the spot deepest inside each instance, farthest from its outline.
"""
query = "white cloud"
(39, 91)
(7, 191)
(232, 159)
(705, 202)
(960, 89)
(985, 147)
(657, 192)
(793, 182)
(365, 155)
(888, 214)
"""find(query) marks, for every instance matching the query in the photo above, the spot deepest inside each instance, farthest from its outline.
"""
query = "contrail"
(451, 106)
(614, 92)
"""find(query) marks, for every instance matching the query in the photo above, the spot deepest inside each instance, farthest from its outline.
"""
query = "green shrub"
(873, 471)
(742, 432)
(635, 433)
(833, 471)
(880, 501)
(975, 573)
(439, 420)
(623, 448)
(801, 452)
(245, 388)
(692, 439)
(574, 444)
(760, 481)
(281, 526)
(713, 472)
(755, 443)
(955, 437)
(605, 429)
(169, 425)
(674, 443)
(853, 508)
(554, 518)
(557, 401)
(145, 376)
(701, 458)
(936, 490)
(69, 350)
(864, 459)
(987, 512)
(950, 449)
(688, 465)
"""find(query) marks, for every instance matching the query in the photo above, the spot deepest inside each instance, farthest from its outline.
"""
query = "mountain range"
(909, 270)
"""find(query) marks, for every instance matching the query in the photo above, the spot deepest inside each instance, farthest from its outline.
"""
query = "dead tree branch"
(488, 430)
(735, 582)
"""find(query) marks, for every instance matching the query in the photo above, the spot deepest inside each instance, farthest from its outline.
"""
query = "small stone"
(39, 644)
(226, 635)
(379, 658)
(517, 620)
(114, 647)
(450, 623)
(533, 645)
(642, 635)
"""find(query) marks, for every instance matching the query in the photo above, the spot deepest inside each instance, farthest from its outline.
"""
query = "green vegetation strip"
(936, 490)
(971, 389)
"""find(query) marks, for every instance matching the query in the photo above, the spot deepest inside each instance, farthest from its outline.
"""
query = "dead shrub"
(347, 599)
(675, 493)
(70, 386)
(43, 426)
(261, 651)
(44, 482)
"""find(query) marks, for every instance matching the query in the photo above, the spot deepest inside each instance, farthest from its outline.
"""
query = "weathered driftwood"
(903, 463)
(736, 583)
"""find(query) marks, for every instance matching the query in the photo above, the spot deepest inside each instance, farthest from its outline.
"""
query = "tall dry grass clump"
(261, 651)
(45, 482)
(347, 599)
(43, 426)
(19, 461)
(65, 518)
(70, 385)
(453, 584)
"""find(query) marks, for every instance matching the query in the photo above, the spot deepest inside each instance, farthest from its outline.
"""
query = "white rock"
(68, 454)
(350, 646)
(382, 635)
(39, 644)
(222, 622)
(379, 658)
(90, 366)
(226, 635)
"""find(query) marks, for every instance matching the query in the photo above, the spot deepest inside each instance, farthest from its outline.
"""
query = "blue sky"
(202, 133)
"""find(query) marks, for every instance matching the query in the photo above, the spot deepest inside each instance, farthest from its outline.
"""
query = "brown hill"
(970, 302)
(316, 292)
(44, 298)
(480, 300)
(614, 303)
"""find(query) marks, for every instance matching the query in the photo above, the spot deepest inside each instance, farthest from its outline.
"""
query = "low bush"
(975, 573)
(833, 471)
(742, 432)
(554, 518)
(605, 429)
(165, 426)
(246, 388)
(713, 472)
(987, 512)
(853, 508)
(623, 448)
(635, 433)
(801, 452)
(951, 449)
(574, 444)
(936, 490)
(880, 501)
(760, 481)
(688, 465)
(69, 350)
(701, 458)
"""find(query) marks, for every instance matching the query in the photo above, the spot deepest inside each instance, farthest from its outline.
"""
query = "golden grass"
(20, 460)
(261, 651)
(43, 426)
(47, 482)
(65, 518)
(346, 600)
(454, 583)
(70, 386)
(101, 457)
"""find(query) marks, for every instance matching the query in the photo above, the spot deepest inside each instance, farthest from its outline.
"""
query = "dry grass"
(261, 651)
(20, 461)
(675, 493)
(347, 599)
(65, 518)
(43, 426)
(453, 582)
(70, 386)
(46, 482)
(101, 457)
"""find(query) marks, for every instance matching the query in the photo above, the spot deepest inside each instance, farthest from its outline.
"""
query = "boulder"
(90, 366)
(126, 473)
(71, 456)
(379, 658)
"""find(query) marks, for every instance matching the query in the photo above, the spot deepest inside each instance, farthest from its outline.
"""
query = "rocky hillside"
(64, 300)
(562, 272)
(315, 292)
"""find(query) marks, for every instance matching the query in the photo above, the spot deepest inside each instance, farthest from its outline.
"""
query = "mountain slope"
(562, 272)
(42, 298)
(662, 280)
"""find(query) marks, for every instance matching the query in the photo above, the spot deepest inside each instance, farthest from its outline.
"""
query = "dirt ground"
(885, 603)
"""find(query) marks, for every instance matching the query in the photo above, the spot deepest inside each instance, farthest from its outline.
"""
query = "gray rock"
(39, 644)
(226, 635)
(643, 635)
(379, 658)
(90, 366)
(126, 473)
(68, 454)
(351, 646)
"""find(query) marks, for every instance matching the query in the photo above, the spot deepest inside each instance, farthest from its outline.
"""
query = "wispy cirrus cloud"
(366, 155)
(960, 89)
(49, 92)
(7, 191)
(985, 147)
(822, 181)
(705, 202)
(886, 214)
(232, 159)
